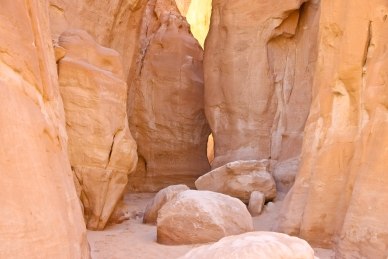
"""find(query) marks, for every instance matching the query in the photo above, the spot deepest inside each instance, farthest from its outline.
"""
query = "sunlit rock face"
(166, 109)
(341, 190)
(259, 64)
(198, 16)
(40, 213)
(101, 149)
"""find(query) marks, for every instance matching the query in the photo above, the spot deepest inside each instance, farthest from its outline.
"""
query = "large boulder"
(40, 216)
(239, 179)
(101, 149)
(161, 198)
(263, 245)
(196, 217)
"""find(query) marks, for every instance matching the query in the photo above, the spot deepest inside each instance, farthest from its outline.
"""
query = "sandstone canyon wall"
(341, 190)
(40, 213)
(166, 109)
(198, 16)
(259, 64)
(101, 149)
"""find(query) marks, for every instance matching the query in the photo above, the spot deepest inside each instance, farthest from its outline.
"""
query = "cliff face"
(166, 112)
(198, 16)
(341, 186)
(259, 64)
(40, 213)
(101, 149)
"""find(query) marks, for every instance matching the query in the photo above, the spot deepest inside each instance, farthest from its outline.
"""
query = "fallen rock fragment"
(196, 217)
(263, 245)
(256, 203)
(239, 179)
(162, 197)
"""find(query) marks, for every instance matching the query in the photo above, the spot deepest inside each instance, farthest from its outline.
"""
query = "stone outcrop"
(340, 192)
(263, 245)
(161, 198)
(239, 179)
(114, 24)
(195, 217)
(101, 149)
(166, 108)
(40, 214)
(256, 203)
(259, 63)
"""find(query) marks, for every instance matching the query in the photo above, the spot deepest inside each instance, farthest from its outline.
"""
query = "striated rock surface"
(195, 217)
(259, 64)
(256, 203)
(166, 107)
(239, 179)
(114, 24)
(263, 245)
(161, 198)
(340, 192)
(101, 149)
(40, 215)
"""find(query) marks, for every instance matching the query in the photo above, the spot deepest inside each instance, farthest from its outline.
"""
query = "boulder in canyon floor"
(263, 245)
(239, 179)
(161, 198)
(256, 203)
(196, 217)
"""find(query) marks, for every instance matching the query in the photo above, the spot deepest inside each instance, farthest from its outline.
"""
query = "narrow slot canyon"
(199, 129)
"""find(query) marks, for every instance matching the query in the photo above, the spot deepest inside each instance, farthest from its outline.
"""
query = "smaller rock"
(256, 203)
(59, 52)
(122, 212)
(162, 197)
(197, 217)
(263, 245)
(239, 179)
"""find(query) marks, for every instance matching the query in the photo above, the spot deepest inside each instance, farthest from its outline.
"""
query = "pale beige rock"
(263, 245)
(340, 192)
(256, 203)
(101, 148)
(183, 6)
(239, 179)
(123, 212)
(40, 216)
(284, 174)
(166, 112)
(259, 63)
(161, 198)
(195, 217)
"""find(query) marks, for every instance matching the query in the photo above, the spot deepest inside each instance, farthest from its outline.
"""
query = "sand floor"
(133, 240)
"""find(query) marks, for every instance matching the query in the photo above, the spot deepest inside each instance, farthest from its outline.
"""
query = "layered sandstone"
(101, 149)
(40, 214)
(340, 193)
(259, 62)
(166, 109)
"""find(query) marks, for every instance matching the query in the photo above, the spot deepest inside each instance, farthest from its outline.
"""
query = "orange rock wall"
(40, 212)
(341, 189)
(259, 65)
(166, 109)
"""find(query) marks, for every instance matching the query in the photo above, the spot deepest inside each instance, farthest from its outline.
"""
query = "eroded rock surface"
(263, 245)
(161, 198)
(101, 149)
(40, 214)
(259, 64)
(239, 179)
(343, 163)
(256, 203)
(196, 217)
(166, 107)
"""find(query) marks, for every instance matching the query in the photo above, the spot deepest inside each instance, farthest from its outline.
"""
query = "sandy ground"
(133, 240)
